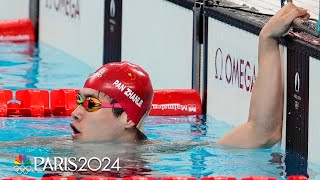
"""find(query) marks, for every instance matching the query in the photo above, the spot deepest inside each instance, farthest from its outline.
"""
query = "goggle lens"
(92, 104)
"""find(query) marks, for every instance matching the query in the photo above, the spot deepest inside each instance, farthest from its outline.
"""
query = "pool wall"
(160, 36)
(14, 9)
(232, 71)
(314, 110)
(272, 6)
(96, 27)
(300, 60)
(76, 28)
(88, 30)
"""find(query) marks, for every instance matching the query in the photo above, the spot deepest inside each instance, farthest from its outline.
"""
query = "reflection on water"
(23, 66)
(18, 63)
(180, 146)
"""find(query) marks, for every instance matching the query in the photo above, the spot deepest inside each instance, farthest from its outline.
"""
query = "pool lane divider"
(295, 177)
(61, 102)
(18, 30)
(176, 102)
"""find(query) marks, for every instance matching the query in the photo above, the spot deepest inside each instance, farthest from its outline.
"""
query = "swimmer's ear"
(129, 124)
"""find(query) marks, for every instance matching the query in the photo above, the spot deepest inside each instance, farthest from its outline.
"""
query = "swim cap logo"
(98, 74)
(128, 92)
(22, 164)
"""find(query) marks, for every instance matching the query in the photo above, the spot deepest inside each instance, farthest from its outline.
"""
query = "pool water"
(22, 66)
(183, 149)
(182, 145)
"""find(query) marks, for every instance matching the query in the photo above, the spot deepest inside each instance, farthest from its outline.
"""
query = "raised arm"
(264, 125)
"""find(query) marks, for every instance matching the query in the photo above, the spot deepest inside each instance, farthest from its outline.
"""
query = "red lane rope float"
(176, 102)
(33, 102)
(259, 178)
(59, 178)
(297, 178)
(5, 96)
(218, 178)
(178, 178)
(19, 30)
(99, 178)
(61, 102)
(139, 178)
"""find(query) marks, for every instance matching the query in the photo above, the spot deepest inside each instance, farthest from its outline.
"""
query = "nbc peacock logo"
(22, 164)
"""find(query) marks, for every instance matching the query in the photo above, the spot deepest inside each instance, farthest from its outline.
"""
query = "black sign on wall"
(112, 31)
(297, 112)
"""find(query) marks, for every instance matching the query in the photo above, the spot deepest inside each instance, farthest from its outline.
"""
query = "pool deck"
(267, 6)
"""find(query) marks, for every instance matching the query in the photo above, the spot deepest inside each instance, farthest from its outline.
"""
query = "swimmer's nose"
(77, 114)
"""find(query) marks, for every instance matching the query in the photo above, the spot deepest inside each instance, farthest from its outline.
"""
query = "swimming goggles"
(92, 104)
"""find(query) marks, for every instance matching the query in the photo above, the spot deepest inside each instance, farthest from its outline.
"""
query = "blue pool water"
(45, 68)
(185, 145)
(49, 137)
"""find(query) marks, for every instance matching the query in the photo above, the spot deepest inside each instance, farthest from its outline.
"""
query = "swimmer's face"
(99, 125)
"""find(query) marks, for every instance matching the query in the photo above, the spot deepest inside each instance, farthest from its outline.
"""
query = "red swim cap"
(128, 84)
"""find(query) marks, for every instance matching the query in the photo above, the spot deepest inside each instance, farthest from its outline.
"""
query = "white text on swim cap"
(98, 73)
(129, 93)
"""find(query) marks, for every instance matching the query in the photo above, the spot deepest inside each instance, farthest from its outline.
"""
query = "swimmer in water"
(112, 104)
(117, 97)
